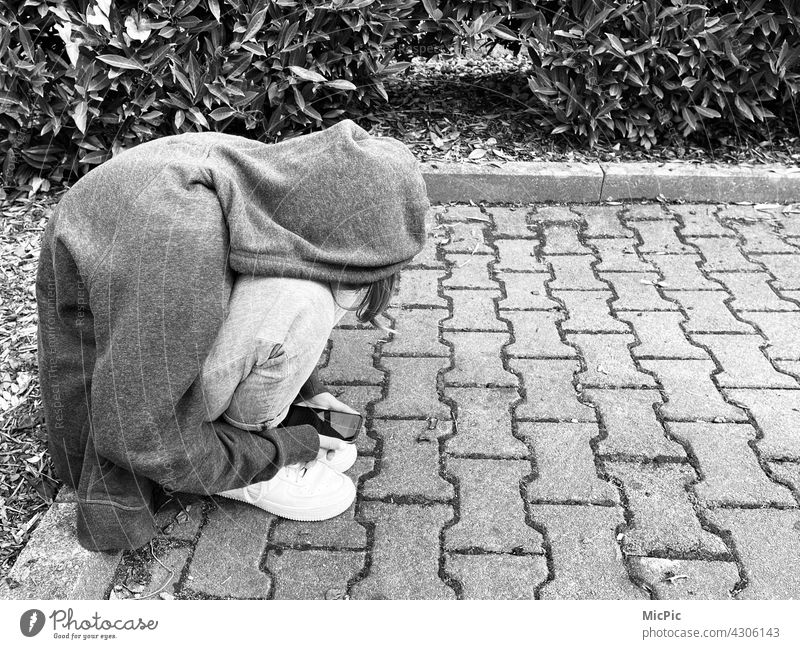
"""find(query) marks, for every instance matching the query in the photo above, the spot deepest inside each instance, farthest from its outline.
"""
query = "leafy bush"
(81, 80)
(641, 70)
(647, 70)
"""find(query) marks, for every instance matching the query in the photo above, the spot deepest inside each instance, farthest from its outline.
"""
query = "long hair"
(374, 300)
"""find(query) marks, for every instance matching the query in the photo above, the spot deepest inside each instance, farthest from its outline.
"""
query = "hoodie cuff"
(293, 444)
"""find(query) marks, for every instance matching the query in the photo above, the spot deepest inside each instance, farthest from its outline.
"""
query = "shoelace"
(299, 470)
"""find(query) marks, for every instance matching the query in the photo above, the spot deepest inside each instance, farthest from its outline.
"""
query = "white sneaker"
(342, 460)
(310, 491)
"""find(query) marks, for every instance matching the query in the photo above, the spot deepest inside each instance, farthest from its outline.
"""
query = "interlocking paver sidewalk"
(580, 402)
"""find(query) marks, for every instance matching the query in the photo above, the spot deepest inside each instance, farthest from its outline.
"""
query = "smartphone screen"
(341, 425)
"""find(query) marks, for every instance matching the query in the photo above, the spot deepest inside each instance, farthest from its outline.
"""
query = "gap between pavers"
(541, 182)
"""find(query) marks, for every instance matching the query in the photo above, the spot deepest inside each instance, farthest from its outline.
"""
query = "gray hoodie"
(136, 269)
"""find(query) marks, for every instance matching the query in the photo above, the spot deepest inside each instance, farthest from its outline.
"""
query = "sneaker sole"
(295, 514)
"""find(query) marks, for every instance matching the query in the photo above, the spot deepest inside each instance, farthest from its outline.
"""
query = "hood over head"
(334, 205)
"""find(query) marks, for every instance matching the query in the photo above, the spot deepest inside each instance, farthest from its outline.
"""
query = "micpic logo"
(31, 622)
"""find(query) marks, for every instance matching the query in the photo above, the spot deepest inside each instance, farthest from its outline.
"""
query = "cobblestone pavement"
(583, 402)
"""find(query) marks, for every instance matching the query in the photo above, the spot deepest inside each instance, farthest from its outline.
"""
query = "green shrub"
(82, 80)
(641, 70)
(646, 70)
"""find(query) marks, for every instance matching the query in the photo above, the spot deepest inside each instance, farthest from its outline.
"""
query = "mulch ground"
(461, 110)
(477, 109)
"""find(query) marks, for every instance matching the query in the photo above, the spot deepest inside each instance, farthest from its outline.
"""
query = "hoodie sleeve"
(158, 299)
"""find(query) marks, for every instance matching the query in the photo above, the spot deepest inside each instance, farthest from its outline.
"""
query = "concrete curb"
(535, 182)
(53, 565)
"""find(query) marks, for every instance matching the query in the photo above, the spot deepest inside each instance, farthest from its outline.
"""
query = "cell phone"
(331, 423)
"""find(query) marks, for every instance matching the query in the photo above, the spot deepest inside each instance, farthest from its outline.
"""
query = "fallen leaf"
(336, 593)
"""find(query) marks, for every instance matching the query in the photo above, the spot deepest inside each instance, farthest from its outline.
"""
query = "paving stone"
(690, 392)
(659, 237)
(789, 473)
(554, 214)
(341, 532)
(743, 363)
(631, 426)
(660, 335)
(777, 415)
(730, 471)
(408, 466)
(789, 223)
(468, 236)
(350, 358)
(700, 580)
(491, 509)
(420, 287)
(429, 257)
(637, 292)
(526, 291)
(699, 221)
(484, 423)
(760, 236)
(564, 462)
(468, 271)
(550, 391)
(405, 556)
(785, 269)
(608, 361)
(752, 293)
(722, 254)
(536, 335)
(412, 389)
(562, 239)
(510, 222)
(664, 521)
(646, 212)
(53, 565)
(589, 311)
(310, 574)
(768, 543)
(226, 558)
(603, 221)
(619, 254)
(587, 563)
(790, 295)
(574, 271)
(682, 272)
(782, 331)
(418, 332)
(520, 255)
(473, 310)
(179, 518)
(478, 360)
(727, 212)
(461, 213)
(707, 312)
(165, 573)
(497, 576)
(357, 397)
(789, 367)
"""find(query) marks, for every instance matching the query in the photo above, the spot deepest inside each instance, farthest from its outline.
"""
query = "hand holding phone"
(340, 425)
(326, 401)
